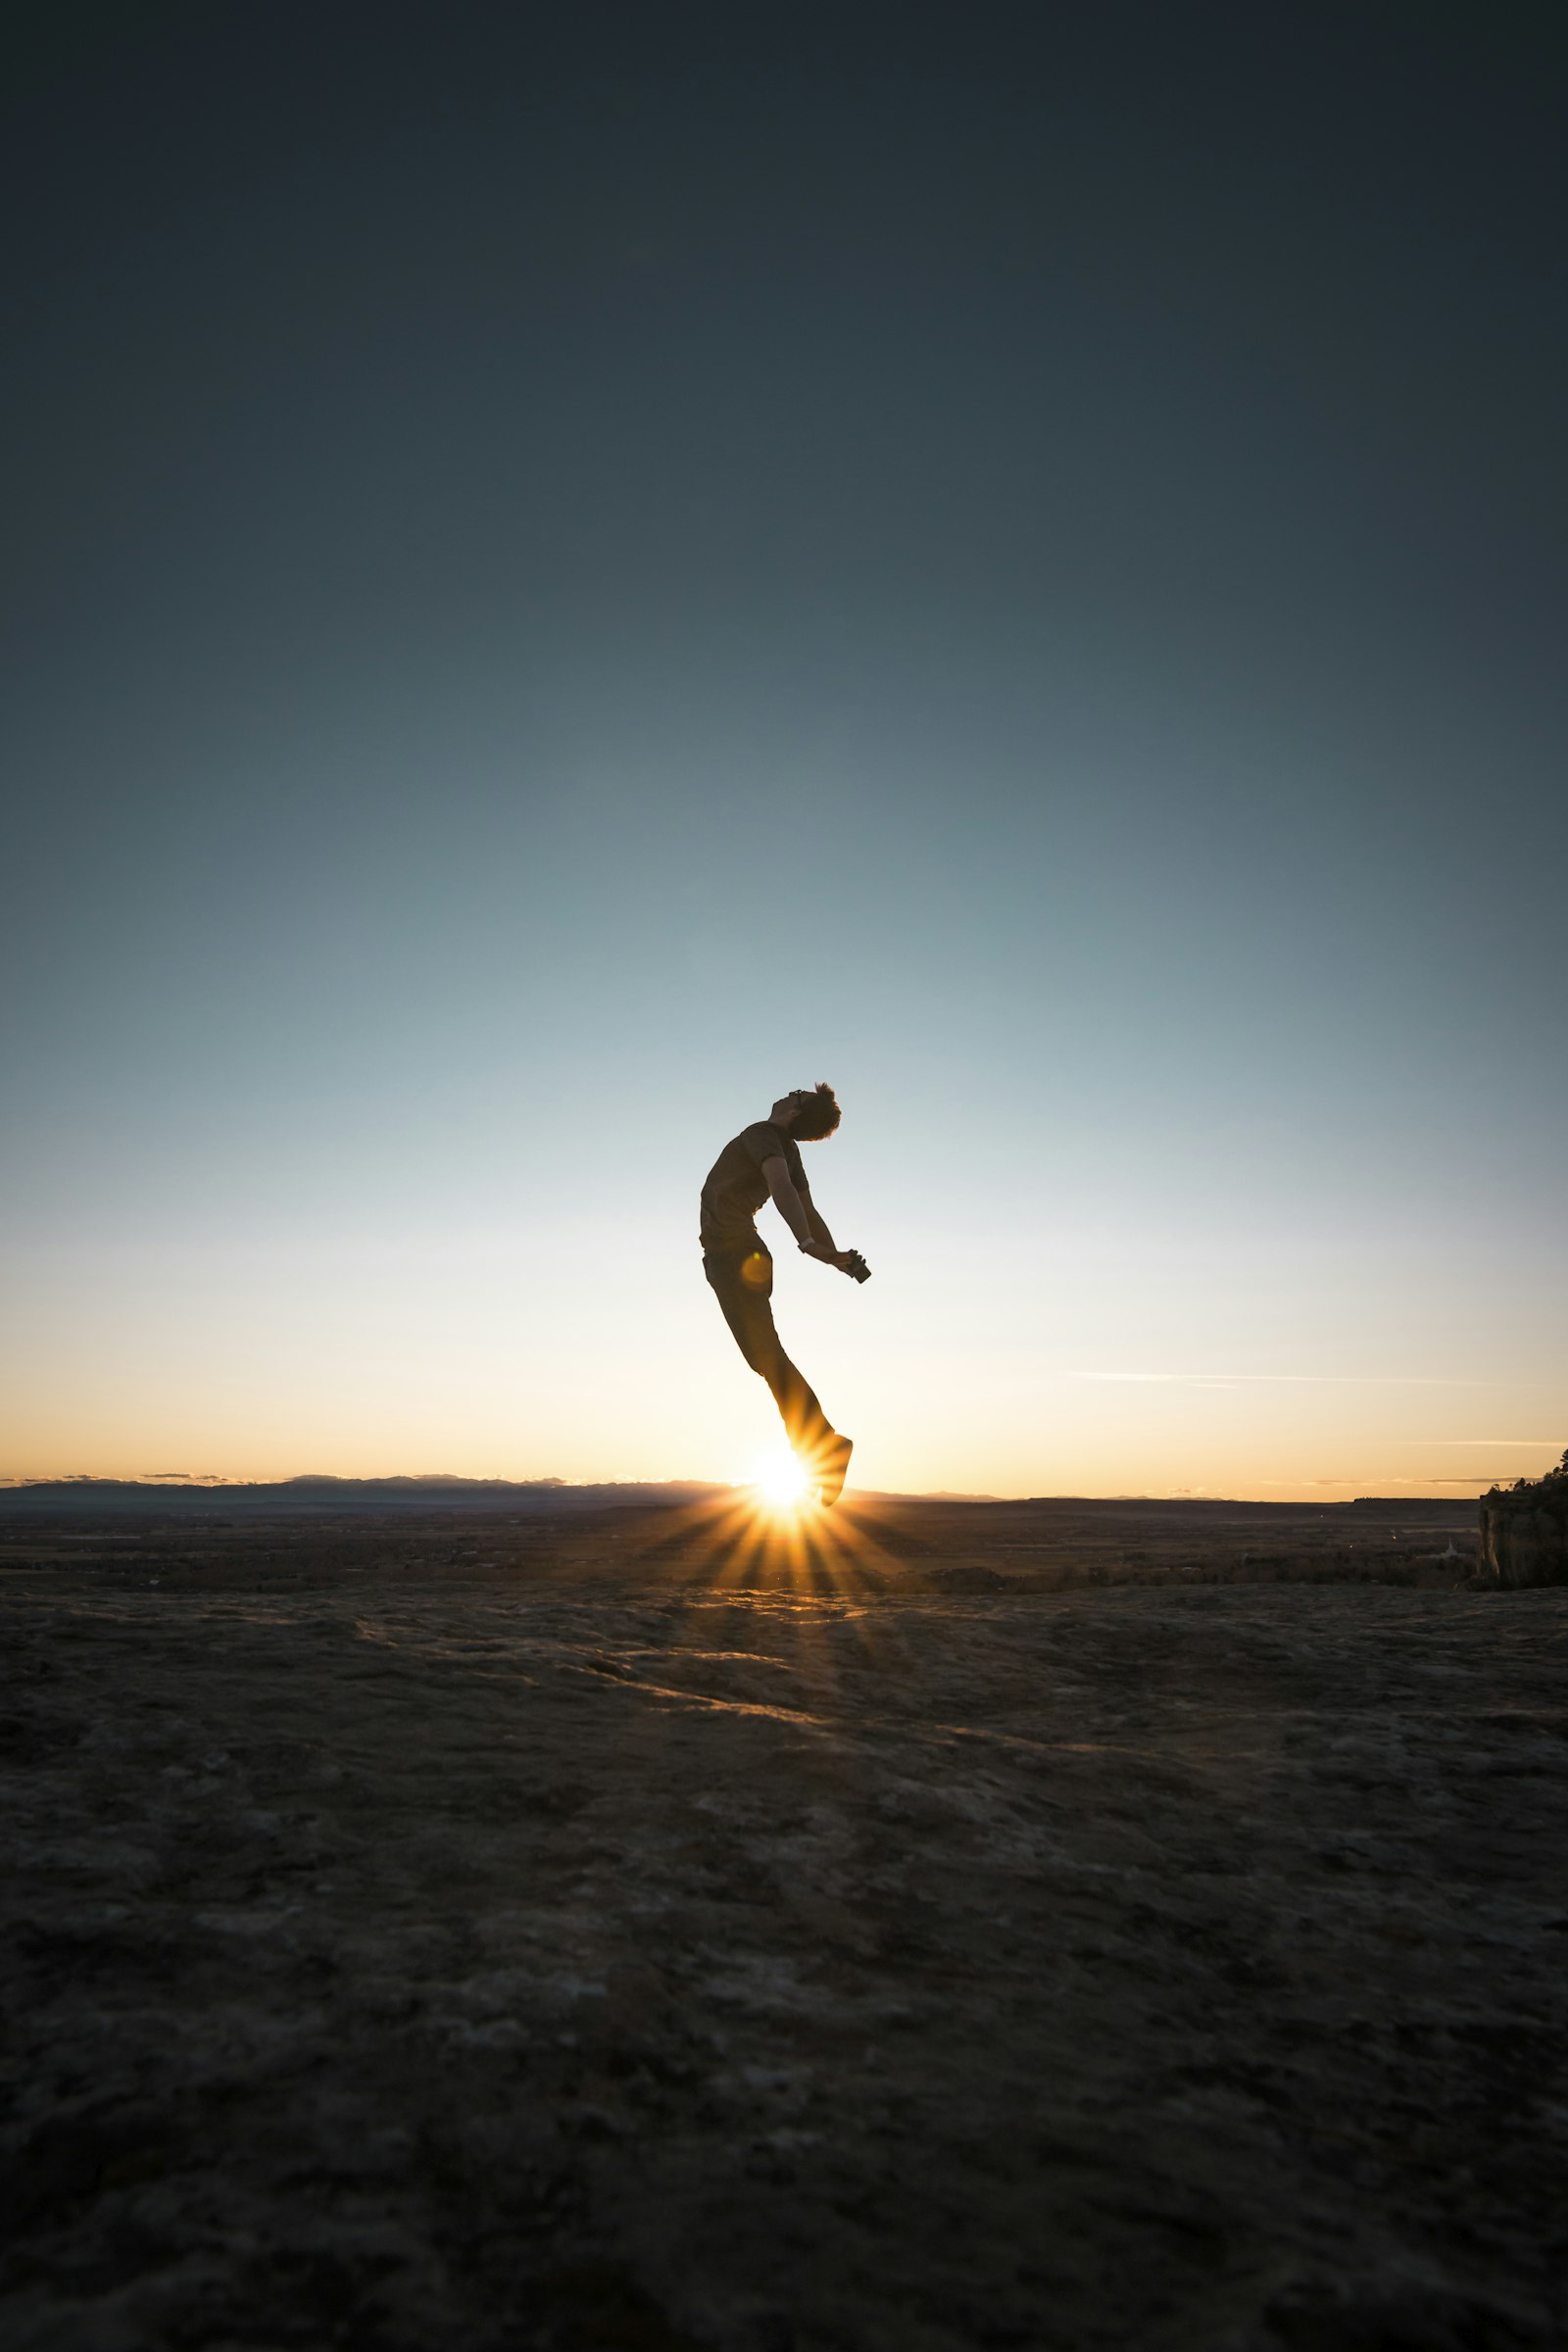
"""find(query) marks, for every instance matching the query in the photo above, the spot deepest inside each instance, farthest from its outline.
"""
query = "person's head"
(809, 1113)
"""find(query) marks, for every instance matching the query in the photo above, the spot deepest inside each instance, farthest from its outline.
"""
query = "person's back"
(764, 1160)
(736, 1187)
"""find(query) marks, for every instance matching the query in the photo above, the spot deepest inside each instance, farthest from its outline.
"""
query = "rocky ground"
(642, 1934)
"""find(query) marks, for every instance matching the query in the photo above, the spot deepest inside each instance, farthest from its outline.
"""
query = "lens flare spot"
(782, 1480)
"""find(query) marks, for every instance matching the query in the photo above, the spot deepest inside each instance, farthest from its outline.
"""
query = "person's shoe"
(829, 1468)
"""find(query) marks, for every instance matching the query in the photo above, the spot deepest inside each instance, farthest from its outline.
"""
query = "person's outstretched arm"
(802, 1217)
(815, 1220)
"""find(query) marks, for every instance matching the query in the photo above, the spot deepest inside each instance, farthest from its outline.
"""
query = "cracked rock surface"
(589, 1959)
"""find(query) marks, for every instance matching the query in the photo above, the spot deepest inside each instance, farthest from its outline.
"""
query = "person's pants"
(741, 1280)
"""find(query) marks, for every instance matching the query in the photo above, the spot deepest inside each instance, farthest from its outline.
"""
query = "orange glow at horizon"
(363, 1356)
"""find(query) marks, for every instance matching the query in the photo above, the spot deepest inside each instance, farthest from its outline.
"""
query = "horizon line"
(168, 1481)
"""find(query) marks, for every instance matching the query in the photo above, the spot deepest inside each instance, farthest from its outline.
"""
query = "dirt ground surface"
(950, 1928)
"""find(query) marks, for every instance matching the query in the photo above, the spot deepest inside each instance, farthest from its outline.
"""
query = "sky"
(567, 578)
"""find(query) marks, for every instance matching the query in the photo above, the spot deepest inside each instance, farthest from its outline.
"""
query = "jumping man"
(765, 1158)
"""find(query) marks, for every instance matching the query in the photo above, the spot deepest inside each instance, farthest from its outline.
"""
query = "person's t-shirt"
(736, 1187)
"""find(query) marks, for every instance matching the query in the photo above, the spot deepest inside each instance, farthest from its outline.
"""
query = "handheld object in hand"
(858, 1266)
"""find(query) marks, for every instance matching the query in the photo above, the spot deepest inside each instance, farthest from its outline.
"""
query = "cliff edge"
(1524, 1530)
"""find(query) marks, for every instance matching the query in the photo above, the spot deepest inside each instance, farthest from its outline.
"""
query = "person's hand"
(846, 1261)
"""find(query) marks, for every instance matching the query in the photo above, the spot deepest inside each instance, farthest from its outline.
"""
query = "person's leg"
(799, 1409)
(743, 1287)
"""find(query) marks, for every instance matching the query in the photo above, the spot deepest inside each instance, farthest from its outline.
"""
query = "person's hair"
(818, 1116)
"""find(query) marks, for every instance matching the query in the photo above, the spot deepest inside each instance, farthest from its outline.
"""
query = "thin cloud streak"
(1375, 1479)
(1349, 1379)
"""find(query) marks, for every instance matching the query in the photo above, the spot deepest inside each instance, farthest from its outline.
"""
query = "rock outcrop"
(1524, 1530)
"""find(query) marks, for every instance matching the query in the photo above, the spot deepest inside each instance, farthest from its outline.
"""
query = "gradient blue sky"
(563, 588)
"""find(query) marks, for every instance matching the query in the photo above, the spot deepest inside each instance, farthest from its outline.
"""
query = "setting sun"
(780, 1479)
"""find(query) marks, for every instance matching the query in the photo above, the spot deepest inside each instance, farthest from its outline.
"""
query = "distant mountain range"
(315, 1494)
(319, 1495)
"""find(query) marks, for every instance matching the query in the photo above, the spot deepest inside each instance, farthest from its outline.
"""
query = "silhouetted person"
(762, 1159)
